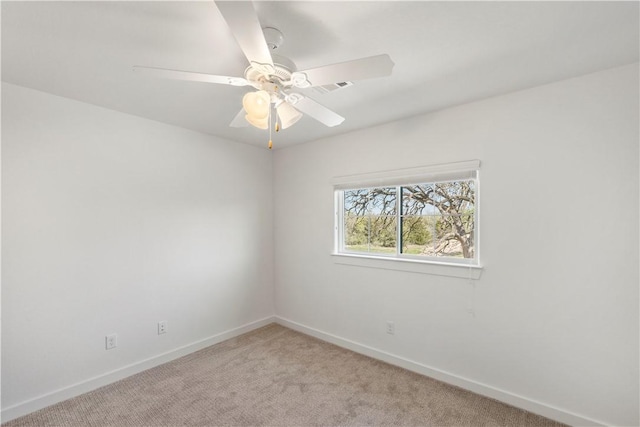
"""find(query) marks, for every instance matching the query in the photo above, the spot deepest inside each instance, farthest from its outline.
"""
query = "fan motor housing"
(283, 69)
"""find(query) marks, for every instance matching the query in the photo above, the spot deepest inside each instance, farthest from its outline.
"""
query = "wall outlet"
(111, 341)
(391, 328)
(162, 327)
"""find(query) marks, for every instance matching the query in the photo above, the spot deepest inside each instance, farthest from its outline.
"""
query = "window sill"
(464, 271)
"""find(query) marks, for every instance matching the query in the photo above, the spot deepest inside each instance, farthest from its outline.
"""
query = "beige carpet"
(278, 377)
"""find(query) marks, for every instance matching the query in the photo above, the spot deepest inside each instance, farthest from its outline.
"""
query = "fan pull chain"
(270, 142)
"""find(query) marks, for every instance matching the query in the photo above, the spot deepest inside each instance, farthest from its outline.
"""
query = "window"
(429, 216)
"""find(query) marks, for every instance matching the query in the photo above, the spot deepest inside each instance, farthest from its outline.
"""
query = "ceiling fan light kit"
(259, 123)
(287, 114)
(274, 77)
(257, 104)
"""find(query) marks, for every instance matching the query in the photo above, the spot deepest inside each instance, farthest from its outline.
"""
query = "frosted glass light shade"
(288, 115)
(257, 104)
(259, 123)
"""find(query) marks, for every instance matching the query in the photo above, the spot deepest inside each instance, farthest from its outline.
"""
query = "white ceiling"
(445, 53)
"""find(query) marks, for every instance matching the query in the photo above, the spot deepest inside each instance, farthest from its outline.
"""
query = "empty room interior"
(320, 213)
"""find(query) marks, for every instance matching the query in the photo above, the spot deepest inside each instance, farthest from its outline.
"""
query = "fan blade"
(239, 121)
(190, 76)
(244, 24)
(319, 112)
(358, 69)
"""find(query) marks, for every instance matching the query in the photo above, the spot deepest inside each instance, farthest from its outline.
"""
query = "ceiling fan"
(274, 77)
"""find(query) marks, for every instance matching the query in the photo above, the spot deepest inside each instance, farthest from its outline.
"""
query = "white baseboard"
(90, 384)
(446, 377)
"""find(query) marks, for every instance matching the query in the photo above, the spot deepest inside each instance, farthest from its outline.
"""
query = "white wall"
(111, 223)
(556, 308)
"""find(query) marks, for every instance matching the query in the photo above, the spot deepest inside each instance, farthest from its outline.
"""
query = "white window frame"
(447, 266)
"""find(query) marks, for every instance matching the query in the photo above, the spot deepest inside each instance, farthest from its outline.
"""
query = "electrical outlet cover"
(391, 328)
(111, 341)
(162, 327)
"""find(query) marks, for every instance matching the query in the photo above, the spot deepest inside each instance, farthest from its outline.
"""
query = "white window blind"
(433, 173)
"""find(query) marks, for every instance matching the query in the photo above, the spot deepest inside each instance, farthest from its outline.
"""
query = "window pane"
(370, 220)
(356, 201)
(445, 243)
(455, 197)
(466, 227)
(417, 234)
(438, 236)
(382, 201)
(417, 200)
(438, 219)
(356, 232)
(383, 234)
(370, 233)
